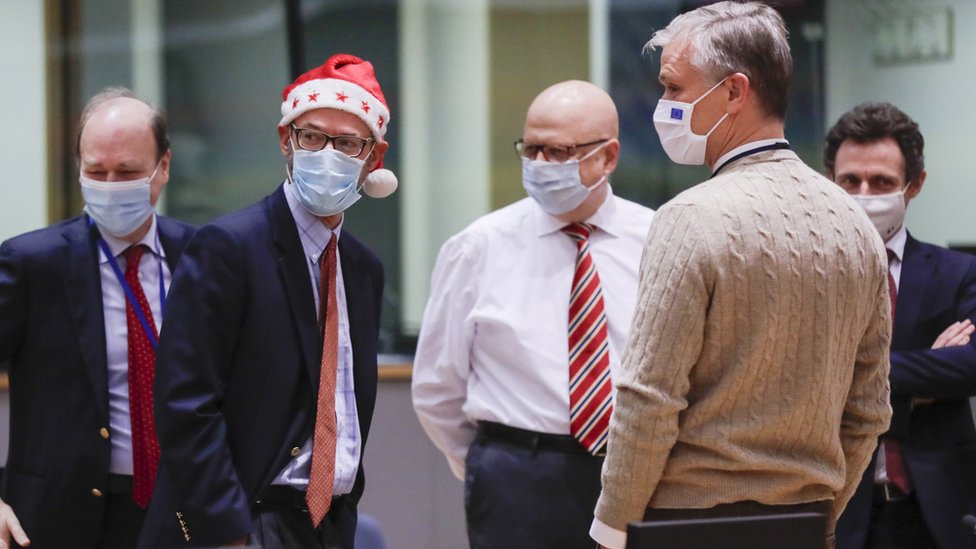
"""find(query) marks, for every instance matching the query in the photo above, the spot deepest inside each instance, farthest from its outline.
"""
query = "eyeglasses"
(552, 153)
(314, 140)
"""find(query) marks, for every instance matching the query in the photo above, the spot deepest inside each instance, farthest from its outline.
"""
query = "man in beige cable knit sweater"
(755, 377)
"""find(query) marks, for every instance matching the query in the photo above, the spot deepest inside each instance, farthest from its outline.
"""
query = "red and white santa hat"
(347, 83)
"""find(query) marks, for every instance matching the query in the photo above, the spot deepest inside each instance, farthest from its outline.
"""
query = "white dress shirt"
(315, 237)
(493, 344)
(117, 334)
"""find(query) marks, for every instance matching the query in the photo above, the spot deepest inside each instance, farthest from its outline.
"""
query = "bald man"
(522, 335)
(80, 307)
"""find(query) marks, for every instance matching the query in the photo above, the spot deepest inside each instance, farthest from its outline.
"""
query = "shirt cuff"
(607, 536)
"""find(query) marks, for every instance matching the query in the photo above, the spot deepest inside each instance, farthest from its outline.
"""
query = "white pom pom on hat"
(380, 183)
(347, 83)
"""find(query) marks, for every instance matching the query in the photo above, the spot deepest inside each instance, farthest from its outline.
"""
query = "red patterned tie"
(142, 364)
(590, 389)
(321, 478)
(894, 458)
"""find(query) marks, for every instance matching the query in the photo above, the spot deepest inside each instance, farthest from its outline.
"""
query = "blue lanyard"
(131, 297)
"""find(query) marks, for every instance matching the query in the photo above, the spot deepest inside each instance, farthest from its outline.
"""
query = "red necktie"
(321, 478)
(142, 364)
(590, 389)
(894, 458)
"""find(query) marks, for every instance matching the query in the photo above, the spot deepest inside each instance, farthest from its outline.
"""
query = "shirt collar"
(313, 233)
(744, 148)
(117, 245)
(897, 242)
(604, 218)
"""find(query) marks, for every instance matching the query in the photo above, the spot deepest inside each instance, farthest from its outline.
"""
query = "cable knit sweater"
(757, 365)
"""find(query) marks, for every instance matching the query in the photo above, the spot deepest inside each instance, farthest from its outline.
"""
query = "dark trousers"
(897, 523)
(282, 521)
(525, 489)
(122, 520)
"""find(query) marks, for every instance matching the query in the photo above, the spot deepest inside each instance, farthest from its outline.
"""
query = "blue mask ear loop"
(129, 295)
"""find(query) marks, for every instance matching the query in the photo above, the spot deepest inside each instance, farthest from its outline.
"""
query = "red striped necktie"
(590, 389)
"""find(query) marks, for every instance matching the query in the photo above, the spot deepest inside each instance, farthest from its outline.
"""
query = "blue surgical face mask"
(326, 182)
(118, 207)
(556, 186)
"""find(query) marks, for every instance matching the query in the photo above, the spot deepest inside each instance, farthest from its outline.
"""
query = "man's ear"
(915, 187)
(611, 154)
(283, 134)
(739, 90)
(379, 149)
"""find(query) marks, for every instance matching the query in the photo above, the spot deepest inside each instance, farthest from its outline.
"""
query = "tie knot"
(133, 255)
(891, 255)
(579, 231)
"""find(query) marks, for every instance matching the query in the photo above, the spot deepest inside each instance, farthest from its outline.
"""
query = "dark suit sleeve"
(202, 318)
(13, 302)
(946, 373)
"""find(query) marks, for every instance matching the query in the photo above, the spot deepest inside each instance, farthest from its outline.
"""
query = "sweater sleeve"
(867, 412)
(665, 342)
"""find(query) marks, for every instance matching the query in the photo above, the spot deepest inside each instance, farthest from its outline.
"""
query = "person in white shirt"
(491, 381)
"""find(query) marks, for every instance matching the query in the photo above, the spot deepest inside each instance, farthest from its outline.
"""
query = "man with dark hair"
(755, 377)
(922, 481)
(81, 304)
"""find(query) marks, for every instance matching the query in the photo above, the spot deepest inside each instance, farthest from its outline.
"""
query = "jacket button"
(96, 492)
(295, 451)
(104, 432)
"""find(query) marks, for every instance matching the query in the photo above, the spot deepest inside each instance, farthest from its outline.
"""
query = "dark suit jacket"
(937, 288)
(52, 332)
(237, 375)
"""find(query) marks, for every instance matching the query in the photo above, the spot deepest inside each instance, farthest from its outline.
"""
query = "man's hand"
(956, 334)
(10, 527)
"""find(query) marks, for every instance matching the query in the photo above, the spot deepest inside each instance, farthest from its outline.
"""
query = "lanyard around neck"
(129, 295)
(750, 152)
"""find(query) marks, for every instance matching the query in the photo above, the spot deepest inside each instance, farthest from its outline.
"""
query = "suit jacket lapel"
(83, 287)
(356, 287)
(293, 270)
(916, 275)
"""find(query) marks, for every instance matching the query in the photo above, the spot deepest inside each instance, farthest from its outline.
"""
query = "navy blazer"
(937, 288)
(52, 335)
(237, 374)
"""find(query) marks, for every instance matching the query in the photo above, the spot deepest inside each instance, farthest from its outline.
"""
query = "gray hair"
(157, 118)
(731, 37)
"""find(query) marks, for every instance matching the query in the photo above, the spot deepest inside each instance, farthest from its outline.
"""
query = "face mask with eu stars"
(672, 121)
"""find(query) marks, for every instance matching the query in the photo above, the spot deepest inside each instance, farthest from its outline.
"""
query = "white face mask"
(556, 186)
(886, 211)
(672, 120)
(326, 182)
(118, 207)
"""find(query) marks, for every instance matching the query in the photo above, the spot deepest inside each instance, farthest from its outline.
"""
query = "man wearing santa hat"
(266, 380)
